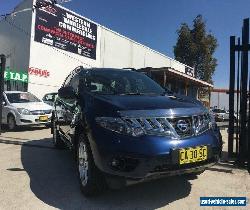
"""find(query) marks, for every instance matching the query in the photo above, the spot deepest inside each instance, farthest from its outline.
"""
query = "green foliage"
(195, 47)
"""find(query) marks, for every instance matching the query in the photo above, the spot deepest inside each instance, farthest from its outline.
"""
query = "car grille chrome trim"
(179, 127)
(41, 112)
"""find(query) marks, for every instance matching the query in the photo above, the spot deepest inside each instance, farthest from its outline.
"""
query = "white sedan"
(23, 108)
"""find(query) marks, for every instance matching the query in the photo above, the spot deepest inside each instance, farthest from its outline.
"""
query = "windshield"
(21, 97)
(122, 83)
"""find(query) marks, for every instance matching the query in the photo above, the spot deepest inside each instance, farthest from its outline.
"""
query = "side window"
(67, 80)
(75, 82)
(71, 80)
(140, 85)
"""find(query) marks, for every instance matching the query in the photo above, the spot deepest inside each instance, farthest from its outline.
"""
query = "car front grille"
(180, 127)
(41, 112)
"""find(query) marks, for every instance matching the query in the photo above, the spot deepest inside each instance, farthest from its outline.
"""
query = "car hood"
(32, 106)
(111, 103)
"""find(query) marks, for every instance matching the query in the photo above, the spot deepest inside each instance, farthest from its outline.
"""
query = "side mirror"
(3, 103)
(67, 93)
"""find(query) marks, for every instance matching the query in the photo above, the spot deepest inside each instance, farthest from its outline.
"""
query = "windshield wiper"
(136, 94)
(167, 93)
(131, 94)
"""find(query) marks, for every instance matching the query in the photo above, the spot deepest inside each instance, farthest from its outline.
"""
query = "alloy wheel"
(83, 164)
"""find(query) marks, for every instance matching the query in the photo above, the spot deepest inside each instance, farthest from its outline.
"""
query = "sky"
(154, 23)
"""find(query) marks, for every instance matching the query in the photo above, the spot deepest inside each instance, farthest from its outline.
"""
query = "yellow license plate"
(43, 118)
(192, 155)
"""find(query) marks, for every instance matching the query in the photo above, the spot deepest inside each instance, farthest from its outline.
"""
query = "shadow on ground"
(4, 129)
(53, 180)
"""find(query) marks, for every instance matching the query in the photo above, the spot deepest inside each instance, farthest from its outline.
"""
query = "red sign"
(39, 72)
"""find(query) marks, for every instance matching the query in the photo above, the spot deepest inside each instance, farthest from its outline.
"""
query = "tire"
(92, 180)
(57, 141)
(11, 122)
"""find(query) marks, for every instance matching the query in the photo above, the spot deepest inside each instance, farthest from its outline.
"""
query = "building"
(183, 83)
(43, 45)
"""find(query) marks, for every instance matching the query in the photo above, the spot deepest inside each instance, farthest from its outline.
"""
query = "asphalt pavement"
(35, 175)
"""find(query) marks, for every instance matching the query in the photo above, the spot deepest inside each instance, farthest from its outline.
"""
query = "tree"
(195, 47)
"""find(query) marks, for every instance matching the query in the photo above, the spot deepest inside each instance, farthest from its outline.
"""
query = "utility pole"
(2, 69)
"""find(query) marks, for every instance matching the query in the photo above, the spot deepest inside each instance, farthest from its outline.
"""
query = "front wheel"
(57, 141)
(91, 179)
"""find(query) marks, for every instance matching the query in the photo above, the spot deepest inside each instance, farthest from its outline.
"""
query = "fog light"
(125, 164)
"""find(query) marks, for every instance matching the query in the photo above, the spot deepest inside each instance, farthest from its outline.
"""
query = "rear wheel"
(11, 122)
(57, 141)
(92, 181)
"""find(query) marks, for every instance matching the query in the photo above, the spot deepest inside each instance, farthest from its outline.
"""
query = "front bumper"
(149, 156)
(22, 120)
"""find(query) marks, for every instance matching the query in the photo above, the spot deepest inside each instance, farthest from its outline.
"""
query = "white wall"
(118, 51)
(15, 37)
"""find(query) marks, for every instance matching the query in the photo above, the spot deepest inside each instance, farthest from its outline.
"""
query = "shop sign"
(39, 72)
(16, 76)
(62, 29)
(189, 71)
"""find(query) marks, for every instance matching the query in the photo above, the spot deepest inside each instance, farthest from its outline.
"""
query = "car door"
(60, 109)
(68, 107)
(71, 109)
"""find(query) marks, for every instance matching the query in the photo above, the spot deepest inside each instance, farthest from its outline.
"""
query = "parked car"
(220, 114)
(23, 108)
(49, 98)
(123, 127)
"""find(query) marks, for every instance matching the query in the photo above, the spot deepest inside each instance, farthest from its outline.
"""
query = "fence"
(239, 130)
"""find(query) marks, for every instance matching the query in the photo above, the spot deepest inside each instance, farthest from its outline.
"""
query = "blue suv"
(124, 128)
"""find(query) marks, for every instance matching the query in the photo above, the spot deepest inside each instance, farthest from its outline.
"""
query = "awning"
(199, 82)
(178, 74)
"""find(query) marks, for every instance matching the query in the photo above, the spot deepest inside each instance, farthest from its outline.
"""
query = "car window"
(75, 82)
(125, 82)
(67, 80)
(49, 97)
(24, 97)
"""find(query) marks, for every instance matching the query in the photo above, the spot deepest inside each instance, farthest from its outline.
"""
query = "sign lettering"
(64, 30)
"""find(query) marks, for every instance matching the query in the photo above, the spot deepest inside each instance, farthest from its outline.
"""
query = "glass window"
(75, 82)
(121, 82)
(50, 97)
(24, 97)
(67, 80)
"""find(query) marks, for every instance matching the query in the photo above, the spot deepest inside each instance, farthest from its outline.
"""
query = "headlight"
(119, 126)
(23, 111)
